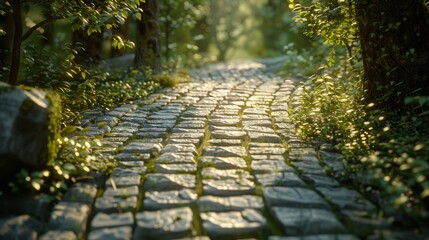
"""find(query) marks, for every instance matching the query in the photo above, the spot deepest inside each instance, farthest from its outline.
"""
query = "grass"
(171, 80)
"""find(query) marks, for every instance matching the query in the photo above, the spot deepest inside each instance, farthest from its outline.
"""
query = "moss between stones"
(54, 126)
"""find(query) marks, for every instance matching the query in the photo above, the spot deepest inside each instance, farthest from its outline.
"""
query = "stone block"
(307, 221)
(218, 151)
(346, 199)
(267, 166)
(168, 182)
(164, 224)
(82, 193)
(235, 203)
(283, 179)
(113, 220)
(117, 233)
(58, 235)
(176, 168)
(293, 197)
(228, 187)
(169, 199)
(318, 237)
(69, 216)
(232, 224)
(219, 174)
(223, 162)
(19, 227)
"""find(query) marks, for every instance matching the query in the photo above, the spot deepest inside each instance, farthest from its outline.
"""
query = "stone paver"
(267, 166)
(228, 187)
(317, 237)
(223, 204)
(169, 199)
(210, 159)
(307, 221)
(176, 158)
(293, 197)
(103, 220)
(164, 224)
(69, 216)
(346, 199)
(111, 204)
(223, 162)
(117, 233)
(284, 179)
(166, 182)
(21, 227)
(233, 223)
(66, 235)
(222, 174)
(83, 193)
(219, 151)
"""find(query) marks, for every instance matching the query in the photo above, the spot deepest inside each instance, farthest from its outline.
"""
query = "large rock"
(29, 127)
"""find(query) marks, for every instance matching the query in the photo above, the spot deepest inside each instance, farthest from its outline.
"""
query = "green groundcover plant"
(386, 150)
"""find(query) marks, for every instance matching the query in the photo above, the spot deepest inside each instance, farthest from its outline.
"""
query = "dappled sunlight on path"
(215, 158)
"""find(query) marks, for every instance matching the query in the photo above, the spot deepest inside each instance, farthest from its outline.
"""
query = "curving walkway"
(216, 158)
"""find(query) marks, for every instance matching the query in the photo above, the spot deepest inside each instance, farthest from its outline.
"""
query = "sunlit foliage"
(76, 159)
(386, 150)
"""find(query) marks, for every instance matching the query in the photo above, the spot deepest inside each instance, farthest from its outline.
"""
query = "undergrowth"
(81, 88)
(74, 160)
(386, 152)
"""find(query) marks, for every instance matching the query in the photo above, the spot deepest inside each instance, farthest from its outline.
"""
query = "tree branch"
(35, 27)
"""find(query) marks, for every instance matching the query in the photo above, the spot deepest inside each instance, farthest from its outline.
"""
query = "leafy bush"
(330, 108)
(304, 62)
(399, 165)
(386, 152)
(75, 159)
(81, 87)
(170, 80)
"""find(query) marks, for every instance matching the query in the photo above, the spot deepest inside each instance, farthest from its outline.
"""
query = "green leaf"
(69, 74)
(408, 100)
(69, 130)
(139, 16)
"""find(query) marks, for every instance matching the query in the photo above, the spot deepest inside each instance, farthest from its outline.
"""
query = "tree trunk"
(16, 45)
(395, 50)
(148, 52)
(167, 34)
(6, 23)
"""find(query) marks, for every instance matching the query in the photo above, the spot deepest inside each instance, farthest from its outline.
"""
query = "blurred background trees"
(191, 32)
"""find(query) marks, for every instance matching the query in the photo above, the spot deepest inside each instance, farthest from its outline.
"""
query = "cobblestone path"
(215, 158)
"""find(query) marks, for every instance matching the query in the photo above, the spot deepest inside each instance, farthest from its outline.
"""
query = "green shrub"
(304, 62)
(386, 152)
(171, 80)
(75, 159)
(386, 155)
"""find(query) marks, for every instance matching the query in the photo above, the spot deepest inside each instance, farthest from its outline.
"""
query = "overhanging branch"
(35, 27)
